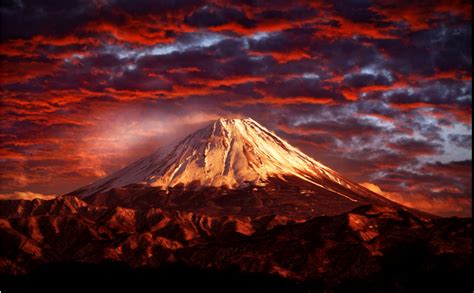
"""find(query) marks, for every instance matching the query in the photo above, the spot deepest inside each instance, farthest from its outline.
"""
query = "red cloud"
(22, 71)
(418, 14)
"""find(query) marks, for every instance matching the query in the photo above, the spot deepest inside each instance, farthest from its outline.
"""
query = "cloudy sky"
(379, 91)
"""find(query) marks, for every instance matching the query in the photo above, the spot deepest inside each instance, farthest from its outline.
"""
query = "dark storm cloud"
(378, 108)
(140, 81)
(448, 47)
(227, 58)
(430, 50)
(345, 54)
(463, 168)
(191, 58)
(349, 126)
(356, 10)
(433, 182)
(427, 183)
(443, 91)
(364, 79)
(24, 19)
(243, 65)
(298, 13)
(429, 132)
(209, 16)
(300, 86)
(342, 127)
(415, 148)
(161, 7)
(286, 41)
(461, 140)
(107, 60)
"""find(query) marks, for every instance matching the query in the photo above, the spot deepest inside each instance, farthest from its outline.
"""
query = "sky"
(379, 91)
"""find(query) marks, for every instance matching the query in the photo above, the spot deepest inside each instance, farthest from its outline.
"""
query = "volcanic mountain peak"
(230, 153)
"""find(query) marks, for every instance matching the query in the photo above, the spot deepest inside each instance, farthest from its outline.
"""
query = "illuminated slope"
(231, 153)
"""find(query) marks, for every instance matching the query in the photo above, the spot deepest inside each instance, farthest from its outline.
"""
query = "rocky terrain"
(361, 246)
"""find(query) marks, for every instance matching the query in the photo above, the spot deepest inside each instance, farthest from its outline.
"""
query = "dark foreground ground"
(398, 276)
(68, 245)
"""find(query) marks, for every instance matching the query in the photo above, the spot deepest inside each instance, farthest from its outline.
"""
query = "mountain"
(231, 207)
(232, 166)
(229, 152)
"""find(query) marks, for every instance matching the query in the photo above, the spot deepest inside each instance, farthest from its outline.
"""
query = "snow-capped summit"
(231, 153)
